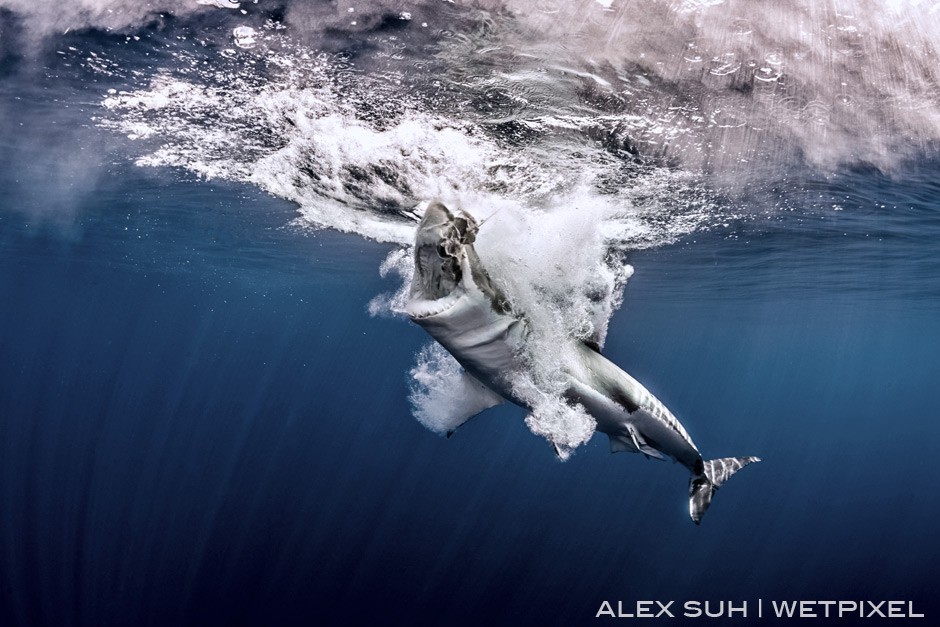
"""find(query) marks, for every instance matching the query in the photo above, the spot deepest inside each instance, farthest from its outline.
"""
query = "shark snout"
(435, 222)
(439, 227)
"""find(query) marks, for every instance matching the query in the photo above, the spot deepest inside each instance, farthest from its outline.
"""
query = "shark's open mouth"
(437, 272)
(420, 308)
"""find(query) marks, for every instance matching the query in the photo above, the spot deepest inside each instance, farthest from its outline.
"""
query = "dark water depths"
(200, 423)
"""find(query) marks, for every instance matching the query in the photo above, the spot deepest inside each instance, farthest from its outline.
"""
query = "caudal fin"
(715, 473)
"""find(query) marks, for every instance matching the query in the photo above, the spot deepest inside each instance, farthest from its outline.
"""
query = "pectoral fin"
(622, 444)
(641, 444)
(632, 442)
(470, 399)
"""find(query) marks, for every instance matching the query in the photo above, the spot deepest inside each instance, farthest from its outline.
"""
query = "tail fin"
(714, 474)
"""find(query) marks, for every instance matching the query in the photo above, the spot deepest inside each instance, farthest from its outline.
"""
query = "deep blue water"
(200, 423)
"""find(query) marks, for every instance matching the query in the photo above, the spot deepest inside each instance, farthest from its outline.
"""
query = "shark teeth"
(421, 308)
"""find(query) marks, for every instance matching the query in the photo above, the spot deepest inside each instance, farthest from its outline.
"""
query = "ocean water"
(207, 407)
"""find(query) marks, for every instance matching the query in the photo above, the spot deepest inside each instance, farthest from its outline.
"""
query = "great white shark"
(454, 299)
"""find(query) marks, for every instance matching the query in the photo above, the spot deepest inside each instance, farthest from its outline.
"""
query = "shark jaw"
(419, 308)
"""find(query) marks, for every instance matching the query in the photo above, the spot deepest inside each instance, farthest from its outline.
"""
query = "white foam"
(557, 269)
(245, 37)
(555, 263)
(443, 396)
(567, 427)
(359, 168)
(284, 122)
(399, 263)
(221, 4)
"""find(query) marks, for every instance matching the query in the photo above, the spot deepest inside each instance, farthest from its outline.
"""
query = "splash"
(356, 154)
(438, 385)
(566, 426)
(574, 155)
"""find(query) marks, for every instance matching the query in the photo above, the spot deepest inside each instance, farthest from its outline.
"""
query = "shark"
(454, 299)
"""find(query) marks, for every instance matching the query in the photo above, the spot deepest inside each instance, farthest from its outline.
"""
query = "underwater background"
(206, 390)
